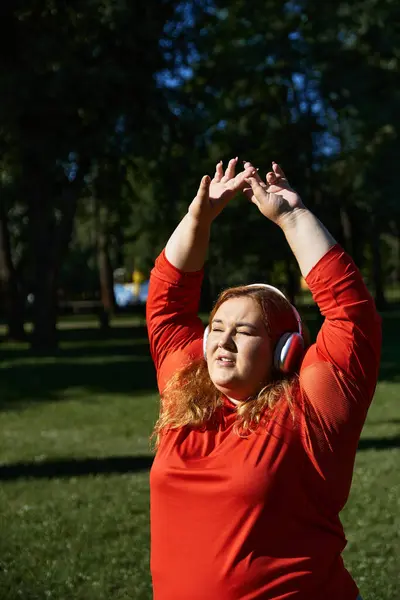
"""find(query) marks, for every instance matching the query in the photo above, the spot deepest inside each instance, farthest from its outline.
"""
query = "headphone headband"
(274, 289)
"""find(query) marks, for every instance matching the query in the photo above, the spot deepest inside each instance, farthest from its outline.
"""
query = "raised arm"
(174, 329)
(171, 314)
(350, 336)
(276, 200)
(188, 245)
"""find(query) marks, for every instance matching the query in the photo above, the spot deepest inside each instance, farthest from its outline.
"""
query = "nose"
(226, 341)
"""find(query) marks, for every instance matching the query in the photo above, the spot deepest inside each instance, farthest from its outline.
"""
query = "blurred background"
(110, 113)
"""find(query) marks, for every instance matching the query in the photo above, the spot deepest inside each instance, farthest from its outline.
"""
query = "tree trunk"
(120, 239)
(44, 335)
(43, 246)
(106, 278)
(12, 302)
(50, 239)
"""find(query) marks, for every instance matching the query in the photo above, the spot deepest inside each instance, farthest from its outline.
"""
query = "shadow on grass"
(111, 465)
(379, 443)
(85, 342)
(79, 467)
(118, 363)
(49, 382)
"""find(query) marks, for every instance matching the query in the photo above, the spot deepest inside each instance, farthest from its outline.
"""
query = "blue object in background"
(125, 296)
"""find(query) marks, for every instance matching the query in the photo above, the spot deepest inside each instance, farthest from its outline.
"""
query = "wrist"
(198, 223)
(290, 219)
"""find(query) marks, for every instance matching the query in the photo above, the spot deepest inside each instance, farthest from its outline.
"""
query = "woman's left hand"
(274, 198)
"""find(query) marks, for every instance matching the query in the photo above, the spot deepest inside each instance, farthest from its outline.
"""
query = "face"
(239, 353)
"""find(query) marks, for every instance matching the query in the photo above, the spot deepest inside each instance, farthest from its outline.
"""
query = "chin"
(229, 389)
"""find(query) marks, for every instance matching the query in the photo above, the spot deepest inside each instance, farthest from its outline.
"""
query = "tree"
(11, 295)
(354, 47)
(12, 302)
(73, 76)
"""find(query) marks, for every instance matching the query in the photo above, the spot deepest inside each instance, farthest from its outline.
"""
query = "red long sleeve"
(257, 518)
(350, 338)
(174, 329)
(339, 375)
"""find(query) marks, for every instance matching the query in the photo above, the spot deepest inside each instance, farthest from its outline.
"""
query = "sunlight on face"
(239, 354)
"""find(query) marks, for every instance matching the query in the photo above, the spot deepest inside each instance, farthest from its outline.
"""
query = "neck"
(236, 402)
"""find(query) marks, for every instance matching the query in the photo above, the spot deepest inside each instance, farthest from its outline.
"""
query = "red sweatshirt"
(258, 518)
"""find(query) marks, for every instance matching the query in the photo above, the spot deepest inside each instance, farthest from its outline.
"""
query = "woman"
(257, 437)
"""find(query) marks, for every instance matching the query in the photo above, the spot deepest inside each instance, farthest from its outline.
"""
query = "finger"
(258, 188)
(239, 182)
(250, 195)
(276, 182)
(230, 171)
(248, 165)
(276, 189)
(219, 172)
(203, 191)
(278, 170)
(271, 178)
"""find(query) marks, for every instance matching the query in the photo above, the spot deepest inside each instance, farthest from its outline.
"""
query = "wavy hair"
(190, 398)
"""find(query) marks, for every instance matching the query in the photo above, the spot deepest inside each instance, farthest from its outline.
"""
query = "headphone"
(289, 349)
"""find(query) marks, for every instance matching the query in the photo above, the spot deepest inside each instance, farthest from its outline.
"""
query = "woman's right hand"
(214, 194)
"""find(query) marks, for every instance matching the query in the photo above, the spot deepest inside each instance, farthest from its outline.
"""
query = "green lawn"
(74, 470)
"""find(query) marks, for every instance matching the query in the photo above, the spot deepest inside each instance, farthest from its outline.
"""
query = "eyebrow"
(240, 324)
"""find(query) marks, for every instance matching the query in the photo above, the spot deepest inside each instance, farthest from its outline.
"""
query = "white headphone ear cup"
(289, 352)
(279, 350)
(205, 338)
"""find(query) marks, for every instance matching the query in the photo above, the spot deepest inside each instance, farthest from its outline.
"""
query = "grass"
(74, 470)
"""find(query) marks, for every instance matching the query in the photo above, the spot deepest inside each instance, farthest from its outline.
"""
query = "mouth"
(225, 361)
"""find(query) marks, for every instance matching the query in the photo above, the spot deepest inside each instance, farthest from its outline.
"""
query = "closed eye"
(241, 332)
